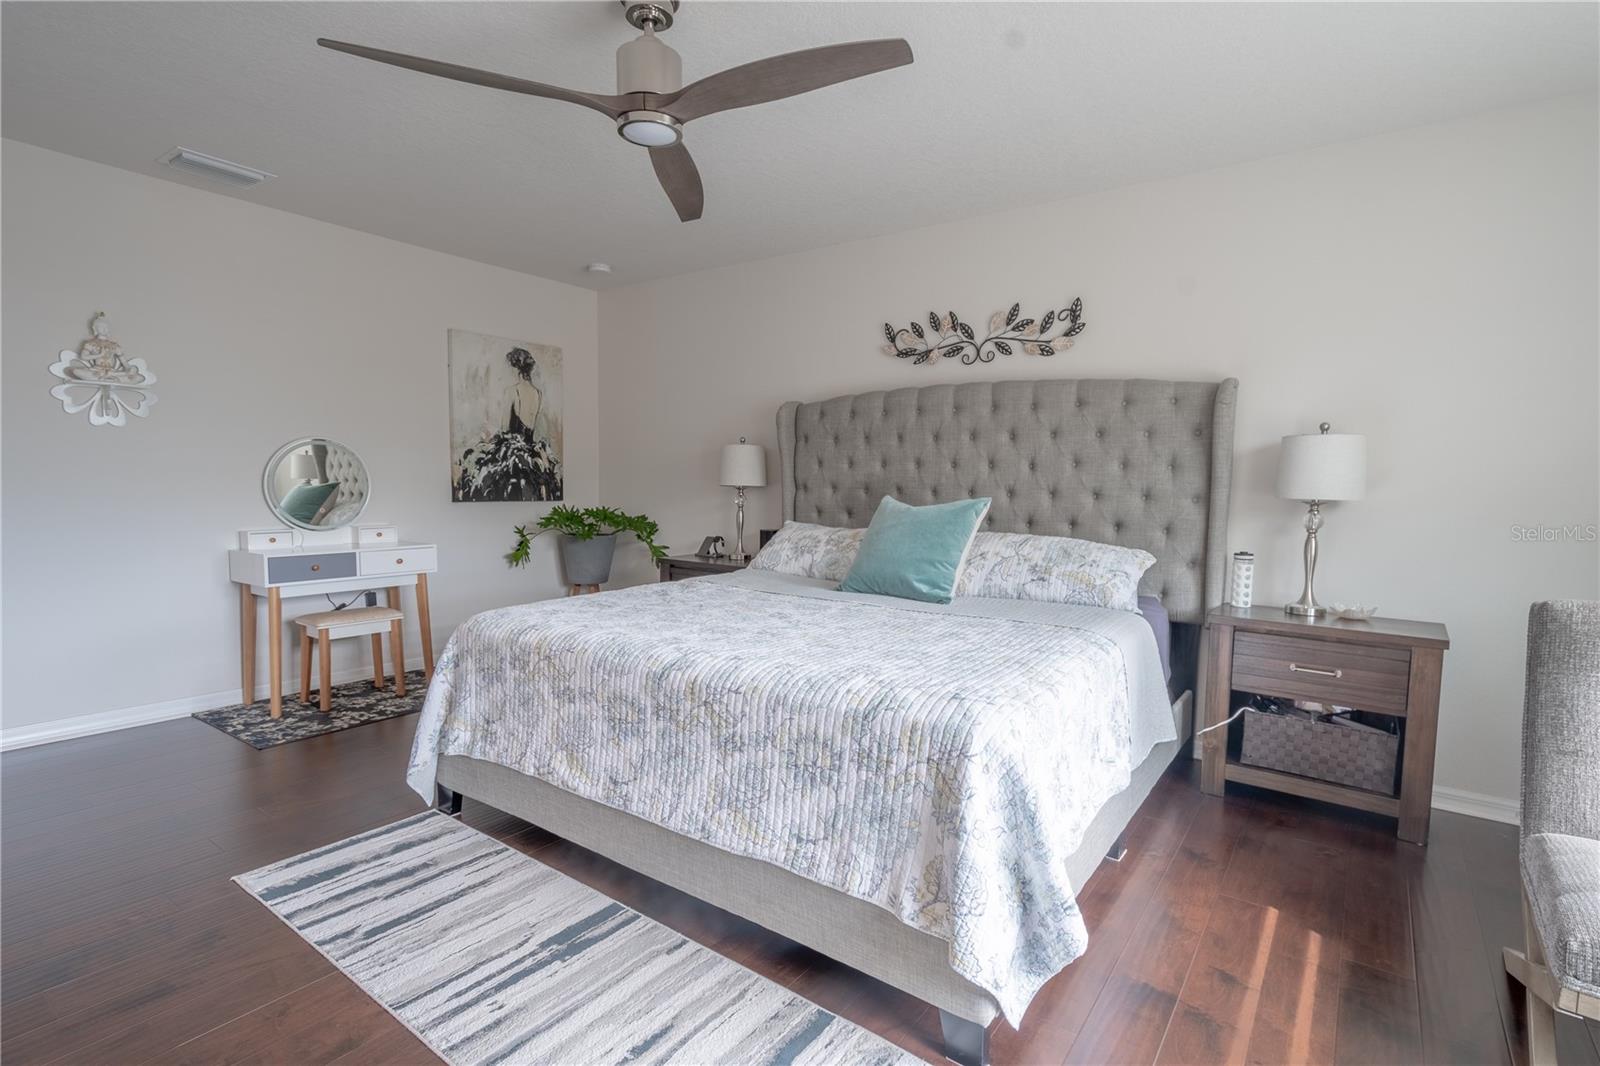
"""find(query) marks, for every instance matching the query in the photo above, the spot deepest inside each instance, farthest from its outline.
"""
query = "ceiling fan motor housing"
(646, 65)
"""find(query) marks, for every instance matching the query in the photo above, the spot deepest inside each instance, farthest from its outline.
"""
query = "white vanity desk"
(279, 564)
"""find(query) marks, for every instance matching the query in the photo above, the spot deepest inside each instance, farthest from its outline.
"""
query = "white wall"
(1434, 289)
(260, 326)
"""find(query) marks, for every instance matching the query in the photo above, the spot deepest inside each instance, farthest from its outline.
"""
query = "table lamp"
(303, 467)
(744, 466)
(1318, 468)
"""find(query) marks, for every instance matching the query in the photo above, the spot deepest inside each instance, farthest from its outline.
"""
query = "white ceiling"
(1006, 104)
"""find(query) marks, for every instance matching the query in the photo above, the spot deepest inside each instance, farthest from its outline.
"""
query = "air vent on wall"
(209, 166)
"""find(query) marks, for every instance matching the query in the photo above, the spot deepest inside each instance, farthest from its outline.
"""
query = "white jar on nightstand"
(1242, 587)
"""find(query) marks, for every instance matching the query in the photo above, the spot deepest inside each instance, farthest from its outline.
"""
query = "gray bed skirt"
(852, 931)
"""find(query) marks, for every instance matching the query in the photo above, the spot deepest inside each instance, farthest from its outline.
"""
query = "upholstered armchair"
(1560, 967)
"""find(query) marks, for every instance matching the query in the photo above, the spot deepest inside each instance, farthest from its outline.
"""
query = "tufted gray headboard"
(1146, 464)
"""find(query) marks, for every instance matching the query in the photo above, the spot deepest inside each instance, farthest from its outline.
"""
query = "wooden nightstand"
(1386, 666)
(678, 567)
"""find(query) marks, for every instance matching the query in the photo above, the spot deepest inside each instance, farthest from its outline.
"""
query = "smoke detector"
(209, 166)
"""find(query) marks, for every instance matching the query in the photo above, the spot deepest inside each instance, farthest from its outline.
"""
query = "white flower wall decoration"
(99, 377)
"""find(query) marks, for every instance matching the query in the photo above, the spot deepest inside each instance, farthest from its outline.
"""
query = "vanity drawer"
(266, 540)
(376, 536)
(403, 559)
(282, 569)
(1367, 677)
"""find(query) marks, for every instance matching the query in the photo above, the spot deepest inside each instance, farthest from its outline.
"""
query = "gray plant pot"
(588, 562)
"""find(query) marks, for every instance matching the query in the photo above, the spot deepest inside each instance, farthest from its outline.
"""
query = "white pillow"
(808, 550)
(1023, 566)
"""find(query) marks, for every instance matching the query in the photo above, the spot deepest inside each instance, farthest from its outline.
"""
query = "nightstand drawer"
(1367, 677)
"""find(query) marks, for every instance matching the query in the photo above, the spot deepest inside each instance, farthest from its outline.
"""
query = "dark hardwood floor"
(1255, 928)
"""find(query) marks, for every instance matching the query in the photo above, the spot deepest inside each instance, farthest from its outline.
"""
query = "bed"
(968, 926)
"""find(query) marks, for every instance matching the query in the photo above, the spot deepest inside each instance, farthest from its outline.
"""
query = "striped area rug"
(489, 956)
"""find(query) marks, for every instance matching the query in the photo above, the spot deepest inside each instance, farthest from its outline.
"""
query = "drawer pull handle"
(397, 562)
(378, 535)
(1319, 671)
(272, 540)
(315, 567)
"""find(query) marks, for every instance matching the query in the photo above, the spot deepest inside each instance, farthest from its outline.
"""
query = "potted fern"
(587, 540)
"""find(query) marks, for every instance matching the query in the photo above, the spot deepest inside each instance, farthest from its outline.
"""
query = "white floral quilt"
(938, 761)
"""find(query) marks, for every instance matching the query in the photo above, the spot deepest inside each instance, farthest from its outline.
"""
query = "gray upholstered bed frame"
(1141, 463)
(1146, 464)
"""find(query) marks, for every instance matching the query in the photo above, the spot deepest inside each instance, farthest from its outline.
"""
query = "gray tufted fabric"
(342, 465)
(1561, 720)
(1147, 464)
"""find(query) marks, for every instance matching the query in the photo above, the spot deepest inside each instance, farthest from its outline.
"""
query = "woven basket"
(1361, 758)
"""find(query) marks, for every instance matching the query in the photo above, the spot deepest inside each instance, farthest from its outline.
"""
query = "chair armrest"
(1561, 720)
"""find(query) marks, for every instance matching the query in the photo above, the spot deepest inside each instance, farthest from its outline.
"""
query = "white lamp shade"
(1323, 466)
(744, 466)
(303, 465)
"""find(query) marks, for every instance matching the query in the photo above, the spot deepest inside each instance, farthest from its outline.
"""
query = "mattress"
(1155, 615)
(940, 762)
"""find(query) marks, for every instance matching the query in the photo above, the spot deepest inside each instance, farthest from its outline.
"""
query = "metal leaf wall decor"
(947, 336)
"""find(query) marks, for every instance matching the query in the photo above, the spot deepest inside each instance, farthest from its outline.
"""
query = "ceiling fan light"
(652, 129)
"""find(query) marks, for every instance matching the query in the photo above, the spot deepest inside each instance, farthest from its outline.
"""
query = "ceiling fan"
(652, 103)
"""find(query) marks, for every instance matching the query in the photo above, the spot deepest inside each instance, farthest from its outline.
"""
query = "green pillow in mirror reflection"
(304, 502)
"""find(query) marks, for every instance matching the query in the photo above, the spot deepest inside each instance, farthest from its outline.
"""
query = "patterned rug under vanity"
(353, 703)
(490, 956)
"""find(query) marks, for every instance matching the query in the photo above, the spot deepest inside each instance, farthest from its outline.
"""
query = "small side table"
(678, 567)
(1387, 666)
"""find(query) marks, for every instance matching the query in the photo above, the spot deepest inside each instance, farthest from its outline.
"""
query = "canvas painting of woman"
(505, 419)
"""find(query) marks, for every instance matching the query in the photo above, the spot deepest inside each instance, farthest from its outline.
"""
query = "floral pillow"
(808, 550)
(1022, 566)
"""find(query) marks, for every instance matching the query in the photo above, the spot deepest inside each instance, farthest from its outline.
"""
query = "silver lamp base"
(738, 554)
(1307, 606)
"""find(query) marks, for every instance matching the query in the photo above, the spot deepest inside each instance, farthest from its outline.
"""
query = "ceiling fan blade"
(610, 106)
(778, 77)
(679, 176)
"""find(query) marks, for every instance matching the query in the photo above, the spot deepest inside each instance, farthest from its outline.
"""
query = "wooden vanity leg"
(247, 645)
(377, 660)
(425, 623)
(275, 648)
(397, 643)
(325, 661)
(305, 665)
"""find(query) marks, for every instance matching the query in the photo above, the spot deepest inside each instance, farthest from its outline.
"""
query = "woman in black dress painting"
(514, 463)
(524, 398)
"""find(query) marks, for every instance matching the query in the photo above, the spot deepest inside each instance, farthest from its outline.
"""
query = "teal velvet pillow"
(302, 502)
(915, 553)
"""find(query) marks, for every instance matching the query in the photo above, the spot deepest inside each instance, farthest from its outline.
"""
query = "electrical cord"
(341, 606)
(1225, 721)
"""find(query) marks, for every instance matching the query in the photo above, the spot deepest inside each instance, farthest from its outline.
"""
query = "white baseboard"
(1494, 808)
(83, 725)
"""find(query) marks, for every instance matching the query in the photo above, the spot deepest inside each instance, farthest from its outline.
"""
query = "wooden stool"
(351, 622)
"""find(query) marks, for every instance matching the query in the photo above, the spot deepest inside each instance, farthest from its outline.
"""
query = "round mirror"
(316, 483)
